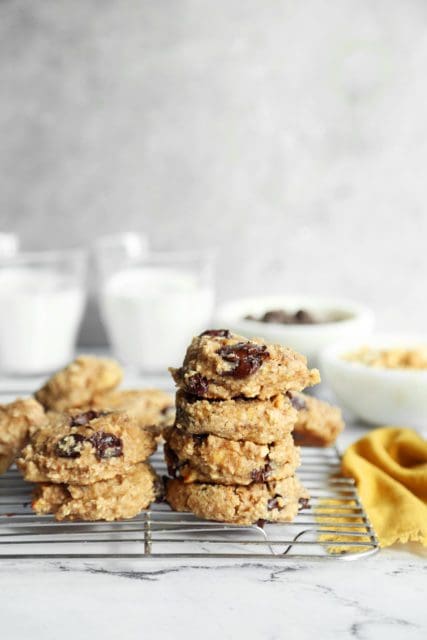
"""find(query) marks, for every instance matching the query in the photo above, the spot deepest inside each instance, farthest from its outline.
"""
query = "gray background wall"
(292, 135)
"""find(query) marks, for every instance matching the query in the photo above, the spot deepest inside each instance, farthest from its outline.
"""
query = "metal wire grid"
(335, 526)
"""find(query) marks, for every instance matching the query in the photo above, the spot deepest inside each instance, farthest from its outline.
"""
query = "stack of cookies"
(231, 451)
(88, 452)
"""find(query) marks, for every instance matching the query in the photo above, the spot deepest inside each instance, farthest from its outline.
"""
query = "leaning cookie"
(16, 419)
(83, 448)
(219, 364)
(273, 501)
(123, 496)
(79, 382)
(151, 408)
(251, 419)
(318, 423)
(208, 458)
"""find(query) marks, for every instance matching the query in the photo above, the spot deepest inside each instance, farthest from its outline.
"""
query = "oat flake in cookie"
(83, 448)
(227, 366)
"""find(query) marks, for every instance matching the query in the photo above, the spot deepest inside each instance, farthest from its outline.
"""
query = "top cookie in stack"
(230, 450)
(222, 365)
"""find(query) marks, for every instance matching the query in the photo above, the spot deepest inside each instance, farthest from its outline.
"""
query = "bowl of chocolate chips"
(308, 324)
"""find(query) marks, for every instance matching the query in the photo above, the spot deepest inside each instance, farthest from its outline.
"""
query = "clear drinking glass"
(42, 297)
(152, 306)
(116, 250)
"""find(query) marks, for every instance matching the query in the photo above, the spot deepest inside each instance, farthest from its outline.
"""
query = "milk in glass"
(40, 313)
(152, 312)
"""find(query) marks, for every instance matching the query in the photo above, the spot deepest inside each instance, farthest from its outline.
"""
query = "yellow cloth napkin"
(390, 469)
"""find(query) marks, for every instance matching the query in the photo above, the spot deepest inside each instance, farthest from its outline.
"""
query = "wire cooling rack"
(334, 526)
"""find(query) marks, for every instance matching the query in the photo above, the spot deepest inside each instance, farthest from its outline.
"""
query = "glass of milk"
(152, 305)
(42, 297)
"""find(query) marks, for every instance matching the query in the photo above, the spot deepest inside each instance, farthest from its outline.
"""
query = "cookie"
(219, 364)
(208, 458)
(79, 382)
(16, 418)
(84, 448)
(123, 496)
(260, 421)
(149, 407)
(318, 423)
(277, 501)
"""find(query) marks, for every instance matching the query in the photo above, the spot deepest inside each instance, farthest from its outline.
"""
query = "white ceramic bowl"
(357, 321)
(378, 396)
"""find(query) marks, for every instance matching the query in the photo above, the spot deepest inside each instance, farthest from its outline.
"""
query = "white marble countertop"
(375, 597)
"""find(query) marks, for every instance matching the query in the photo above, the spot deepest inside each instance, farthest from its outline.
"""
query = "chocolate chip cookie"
(123, 496)
(260, 421)
(318, 423)
(79, 382)
(208, 458)
(219, 364)
(16, 419)
(83, 448)
(277, 501)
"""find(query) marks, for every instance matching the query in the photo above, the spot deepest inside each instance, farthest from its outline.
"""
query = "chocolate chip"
(297, 402)
(304, 317)
(216, 333)
(106, 445)
(197, 385)
(260, 523)
(261, 475)
(246, 358)
(70, 446)
(172, 461)
(273, 503)
(200, 437)
(280, 316)
(82, 419)
(257, 475)
(276, 315)
(303, 503)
